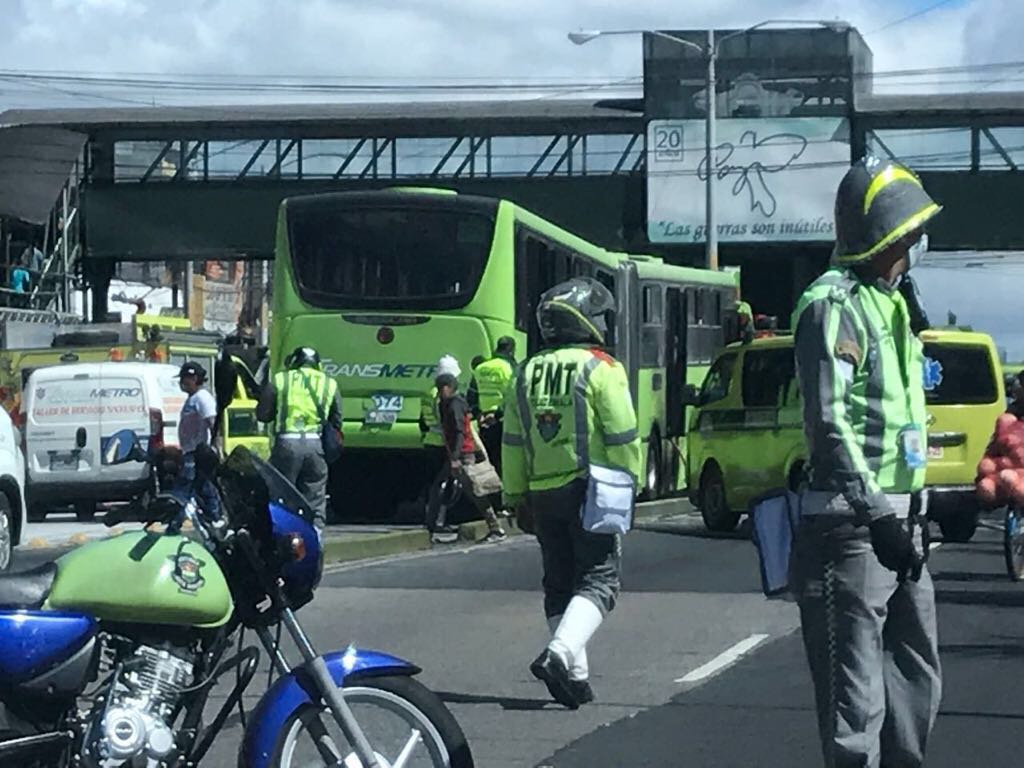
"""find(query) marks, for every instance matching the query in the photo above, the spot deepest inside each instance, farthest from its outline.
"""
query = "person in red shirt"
(457, 425)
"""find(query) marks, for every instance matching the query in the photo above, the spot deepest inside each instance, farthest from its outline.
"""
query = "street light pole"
(710, 53)
(710, 140)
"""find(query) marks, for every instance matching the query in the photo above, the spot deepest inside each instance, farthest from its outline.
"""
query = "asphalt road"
(673, 688)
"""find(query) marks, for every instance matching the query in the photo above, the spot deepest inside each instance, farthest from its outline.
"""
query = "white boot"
(579, 669)
(578, 624)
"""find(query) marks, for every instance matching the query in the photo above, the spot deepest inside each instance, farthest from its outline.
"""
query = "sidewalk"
(342, 543)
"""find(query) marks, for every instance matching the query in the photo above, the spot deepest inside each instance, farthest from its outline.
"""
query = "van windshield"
(959, 375)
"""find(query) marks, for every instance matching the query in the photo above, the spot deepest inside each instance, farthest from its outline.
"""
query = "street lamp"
(710, 53)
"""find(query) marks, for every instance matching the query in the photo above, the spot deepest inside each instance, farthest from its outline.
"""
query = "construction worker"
(302, 402)
(867, 604)
(486, 393)
(569, 407)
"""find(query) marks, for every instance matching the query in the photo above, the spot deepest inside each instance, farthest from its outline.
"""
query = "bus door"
(675, 361)
(625, 331)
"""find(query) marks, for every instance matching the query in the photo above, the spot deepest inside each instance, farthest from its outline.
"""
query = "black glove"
(894, 547)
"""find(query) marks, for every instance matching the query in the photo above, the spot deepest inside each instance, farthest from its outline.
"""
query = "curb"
(366, 546)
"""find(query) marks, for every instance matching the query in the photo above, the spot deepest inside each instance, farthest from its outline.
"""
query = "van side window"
(767, 374)
(719, 376)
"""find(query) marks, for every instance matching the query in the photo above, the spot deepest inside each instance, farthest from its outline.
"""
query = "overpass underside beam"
(557, 154)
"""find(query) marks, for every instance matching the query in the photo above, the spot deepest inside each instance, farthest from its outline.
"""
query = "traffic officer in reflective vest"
(301, 402)
(867, 604)
(486, 392)
(569, 407)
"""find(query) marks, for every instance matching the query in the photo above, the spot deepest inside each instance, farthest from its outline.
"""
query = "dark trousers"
(437, 462)
(576, 562)
(302, 463)
(186, 486)
(490, 436)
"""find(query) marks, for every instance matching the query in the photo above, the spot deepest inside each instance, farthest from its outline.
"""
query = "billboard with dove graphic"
(775, 178)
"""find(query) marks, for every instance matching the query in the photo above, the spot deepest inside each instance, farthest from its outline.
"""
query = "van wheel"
(652, 475)
(6, 532)
(85, 511)
(714, 508)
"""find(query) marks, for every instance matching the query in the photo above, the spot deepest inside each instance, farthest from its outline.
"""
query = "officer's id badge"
(912, 449)
(548, 425)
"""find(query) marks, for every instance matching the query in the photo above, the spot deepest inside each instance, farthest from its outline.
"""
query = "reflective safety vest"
(567, 408)
(431, 415)
(492, 378)
(304, 398)
(861, 373)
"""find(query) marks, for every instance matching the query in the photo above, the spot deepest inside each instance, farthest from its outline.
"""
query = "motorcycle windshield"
(261, 477)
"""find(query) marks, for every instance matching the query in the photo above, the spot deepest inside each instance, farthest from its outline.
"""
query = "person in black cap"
(196, 430)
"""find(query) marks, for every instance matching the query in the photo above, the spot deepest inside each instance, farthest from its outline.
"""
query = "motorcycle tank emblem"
(187, 571)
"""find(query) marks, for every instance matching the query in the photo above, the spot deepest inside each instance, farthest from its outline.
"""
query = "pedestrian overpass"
(194, 183)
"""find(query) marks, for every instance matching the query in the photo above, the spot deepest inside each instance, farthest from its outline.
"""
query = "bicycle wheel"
(1013, 543)
(405, 723)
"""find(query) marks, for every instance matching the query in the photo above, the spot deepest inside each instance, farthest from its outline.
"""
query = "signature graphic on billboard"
(752, 160)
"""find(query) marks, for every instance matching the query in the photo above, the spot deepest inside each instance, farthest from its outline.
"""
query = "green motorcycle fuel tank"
(143, 578)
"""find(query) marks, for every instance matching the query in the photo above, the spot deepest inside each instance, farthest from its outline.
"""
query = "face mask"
(917, 251)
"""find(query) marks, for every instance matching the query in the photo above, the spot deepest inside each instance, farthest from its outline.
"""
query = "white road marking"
(724, 659)
(935, 545)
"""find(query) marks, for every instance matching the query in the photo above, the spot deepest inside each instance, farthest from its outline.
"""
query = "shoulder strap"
(316, 400)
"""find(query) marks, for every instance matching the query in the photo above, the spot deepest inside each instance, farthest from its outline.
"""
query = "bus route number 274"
(385, 409)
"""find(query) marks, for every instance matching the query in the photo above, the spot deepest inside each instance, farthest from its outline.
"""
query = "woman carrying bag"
(477, 477)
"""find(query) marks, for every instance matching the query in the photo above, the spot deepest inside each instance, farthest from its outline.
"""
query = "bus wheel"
(714, 508)
(652, 475)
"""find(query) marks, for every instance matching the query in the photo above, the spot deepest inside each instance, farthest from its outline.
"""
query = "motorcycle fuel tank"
(143, 578)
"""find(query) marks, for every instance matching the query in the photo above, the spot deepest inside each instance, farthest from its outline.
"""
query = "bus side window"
(651, 331)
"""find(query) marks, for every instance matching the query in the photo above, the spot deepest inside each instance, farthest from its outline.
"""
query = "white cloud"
(440, 39)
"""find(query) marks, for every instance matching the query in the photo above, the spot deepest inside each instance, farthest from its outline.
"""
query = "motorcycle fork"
(330, 692)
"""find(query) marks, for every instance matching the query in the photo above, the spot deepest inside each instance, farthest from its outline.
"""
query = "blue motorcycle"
(109, 656)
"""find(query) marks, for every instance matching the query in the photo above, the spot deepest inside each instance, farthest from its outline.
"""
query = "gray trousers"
(302, 462)
(576, 562)
(872, 647)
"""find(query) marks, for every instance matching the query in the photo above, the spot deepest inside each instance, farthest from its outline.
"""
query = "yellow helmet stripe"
(579, 316)
(890, 175)
(908, 226)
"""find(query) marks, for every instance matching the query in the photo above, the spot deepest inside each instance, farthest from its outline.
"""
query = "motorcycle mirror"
(121, 447)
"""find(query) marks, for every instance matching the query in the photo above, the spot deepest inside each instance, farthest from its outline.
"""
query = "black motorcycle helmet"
(878, 203)
(303, 357)
(574, 312)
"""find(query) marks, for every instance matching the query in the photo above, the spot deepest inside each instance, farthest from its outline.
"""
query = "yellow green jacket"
(566, 409)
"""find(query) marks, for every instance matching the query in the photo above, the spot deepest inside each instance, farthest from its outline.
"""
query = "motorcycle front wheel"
(407, 726)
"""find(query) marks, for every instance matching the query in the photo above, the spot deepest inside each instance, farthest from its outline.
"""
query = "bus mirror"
(691, 395)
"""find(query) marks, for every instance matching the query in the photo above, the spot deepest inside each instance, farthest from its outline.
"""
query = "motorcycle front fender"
(297, 689)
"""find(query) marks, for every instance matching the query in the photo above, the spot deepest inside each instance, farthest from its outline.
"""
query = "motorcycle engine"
(131, 728)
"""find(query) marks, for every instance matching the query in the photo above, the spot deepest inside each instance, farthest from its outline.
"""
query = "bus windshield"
(388, 257)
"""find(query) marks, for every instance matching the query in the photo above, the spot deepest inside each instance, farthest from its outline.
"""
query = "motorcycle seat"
(27, 589)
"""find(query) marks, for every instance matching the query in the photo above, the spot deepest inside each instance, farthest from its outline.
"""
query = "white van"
(70, 409)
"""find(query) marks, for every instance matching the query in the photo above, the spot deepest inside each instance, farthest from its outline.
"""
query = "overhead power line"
(915, 15)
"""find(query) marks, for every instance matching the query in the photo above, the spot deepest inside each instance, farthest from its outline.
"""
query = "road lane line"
(724, 659)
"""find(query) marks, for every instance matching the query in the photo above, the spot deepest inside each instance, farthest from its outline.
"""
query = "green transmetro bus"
(383, 283)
